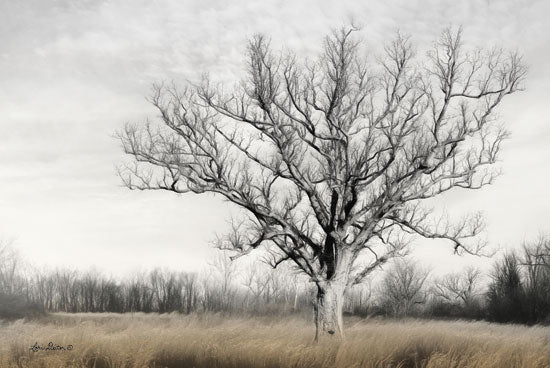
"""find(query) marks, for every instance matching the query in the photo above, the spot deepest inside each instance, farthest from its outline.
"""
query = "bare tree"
(218, 283)
(167, 288)
(359, 298)
(331, 160)
(506, 292)
(270, 287)
(461, 287)
(290, 285)
(137, 293)
(68, 293)
(256, 282)
(536, 254)
(10, 263)
(403, 288)
(190, 291)
(536, 263)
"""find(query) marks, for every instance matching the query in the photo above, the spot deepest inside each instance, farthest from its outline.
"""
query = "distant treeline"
(516, 290)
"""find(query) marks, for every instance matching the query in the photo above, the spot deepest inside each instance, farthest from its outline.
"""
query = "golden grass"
(140, 340)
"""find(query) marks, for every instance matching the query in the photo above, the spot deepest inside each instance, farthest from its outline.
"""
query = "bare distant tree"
(403, 288)
(167, 290)
(9, 267)
(65, 281)
(331, 160)
(256, 282)
(89, 290)
(291, 285)
(219, 282)
(360, 298)
(271, 286)
(459, 287)
(138, 294)
(536, 264)
(536, 254)
(190, 291)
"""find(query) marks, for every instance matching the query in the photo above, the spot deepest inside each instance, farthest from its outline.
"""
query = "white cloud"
(73, 72)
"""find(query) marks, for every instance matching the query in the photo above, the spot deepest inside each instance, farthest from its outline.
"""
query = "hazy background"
(72, 72)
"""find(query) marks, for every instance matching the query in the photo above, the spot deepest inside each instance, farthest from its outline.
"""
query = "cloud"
(73, 72)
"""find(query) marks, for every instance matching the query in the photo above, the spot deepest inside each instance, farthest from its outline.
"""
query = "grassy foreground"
(140, 340)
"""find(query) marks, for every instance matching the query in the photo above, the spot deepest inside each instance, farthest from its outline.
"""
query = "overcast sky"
(72, 72)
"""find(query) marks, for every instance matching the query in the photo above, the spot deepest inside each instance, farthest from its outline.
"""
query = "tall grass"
(210, 340)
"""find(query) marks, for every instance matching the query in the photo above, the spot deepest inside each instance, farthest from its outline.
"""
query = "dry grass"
(139, 340)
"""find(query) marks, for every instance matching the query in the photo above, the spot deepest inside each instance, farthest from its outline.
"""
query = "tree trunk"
(328, 310)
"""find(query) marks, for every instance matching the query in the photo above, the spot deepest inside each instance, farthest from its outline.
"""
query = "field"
(209, 340)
